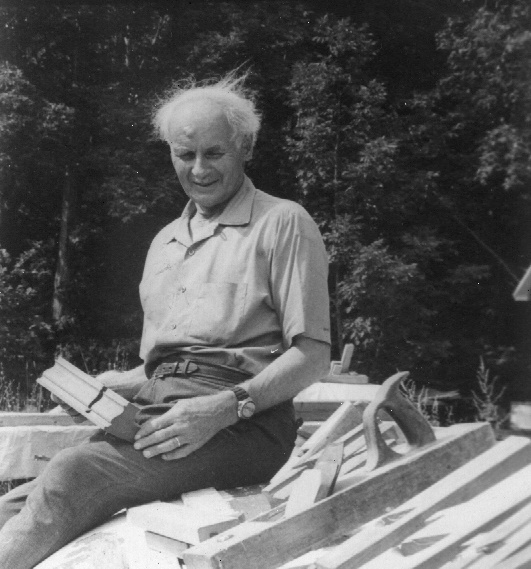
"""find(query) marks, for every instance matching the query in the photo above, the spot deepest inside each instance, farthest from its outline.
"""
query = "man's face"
(208, 161)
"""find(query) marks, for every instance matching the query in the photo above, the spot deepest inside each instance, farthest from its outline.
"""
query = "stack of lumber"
(343, 477)
(361, 492)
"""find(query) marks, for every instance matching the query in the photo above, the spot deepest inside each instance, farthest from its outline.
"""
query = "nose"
(199, 168)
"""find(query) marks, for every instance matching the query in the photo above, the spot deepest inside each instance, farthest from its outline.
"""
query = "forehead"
(200, 122)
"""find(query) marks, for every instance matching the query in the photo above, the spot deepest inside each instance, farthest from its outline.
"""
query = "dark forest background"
(402, 126)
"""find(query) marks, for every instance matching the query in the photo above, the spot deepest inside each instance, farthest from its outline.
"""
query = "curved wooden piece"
(416, 429)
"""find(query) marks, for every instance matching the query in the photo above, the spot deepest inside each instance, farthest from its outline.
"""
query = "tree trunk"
(62, 271)
(337, 316)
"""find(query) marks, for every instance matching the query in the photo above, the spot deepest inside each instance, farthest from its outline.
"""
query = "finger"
(153, 425)
(167, 446)
(155, 438)
(181, 452)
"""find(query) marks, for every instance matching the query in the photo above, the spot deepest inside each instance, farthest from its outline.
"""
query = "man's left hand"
(187, 426)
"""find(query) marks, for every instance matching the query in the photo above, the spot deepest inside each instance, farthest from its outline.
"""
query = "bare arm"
(192, 422)
(125, 383)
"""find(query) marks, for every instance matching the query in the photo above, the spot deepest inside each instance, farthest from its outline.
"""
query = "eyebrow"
(184, 149)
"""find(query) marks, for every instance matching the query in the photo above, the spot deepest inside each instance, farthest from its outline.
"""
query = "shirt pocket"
(217, 313)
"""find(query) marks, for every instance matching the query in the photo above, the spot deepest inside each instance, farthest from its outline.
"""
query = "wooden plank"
(210, 500)
(88, 396)
(315, 410)
(179, 522)
(448, 530)
(480, 473)
(247, 546)
(488, 550)
(304, 492)
(317, 483)
(522, 558)
(344, 419)
(11, 419)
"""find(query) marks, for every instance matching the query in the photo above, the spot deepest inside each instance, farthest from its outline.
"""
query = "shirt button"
(191, 252)
(173, 326)
(183, 289)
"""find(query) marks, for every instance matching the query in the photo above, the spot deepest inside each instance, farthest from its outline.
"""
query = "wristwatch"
(246, 406)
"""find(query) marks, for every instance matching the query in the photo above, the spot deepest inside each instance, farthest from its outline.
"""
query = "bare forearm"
(125, 383)
(306, 362)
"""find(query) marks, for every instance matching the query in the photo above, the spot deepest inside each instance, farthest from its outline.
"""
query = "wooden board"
(249, 544)
(177, 521)
(468, 481)
(318, 482)
(489, 549)
(88, 396)
(342, 421)
(443, 536)
(10, 419)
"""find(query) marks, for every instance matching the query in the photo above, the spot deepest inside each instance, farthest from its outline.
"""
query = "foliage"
(404, 131)
(488, 398)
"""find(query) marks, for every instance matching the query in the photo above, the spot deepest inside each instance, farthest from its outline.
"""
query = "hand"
(187, 426)
(78, 417)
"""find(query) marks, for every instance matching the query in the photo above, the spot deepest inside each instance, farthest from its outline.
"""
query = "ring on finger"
(176, 439)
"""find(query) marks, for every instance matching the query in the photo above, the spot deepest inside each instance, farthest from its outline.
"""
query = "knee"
(70, 466)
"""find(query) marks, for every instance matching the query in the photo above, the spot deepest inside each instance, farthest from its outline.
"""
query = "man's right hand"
(76, 416)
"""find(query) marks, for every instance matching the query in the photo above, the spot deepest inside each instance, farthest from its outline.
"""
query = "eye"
(213, 154)
(185, 156)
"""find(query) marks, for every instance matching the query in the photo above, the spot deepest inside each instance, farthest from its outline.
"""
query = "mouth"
(204, 184)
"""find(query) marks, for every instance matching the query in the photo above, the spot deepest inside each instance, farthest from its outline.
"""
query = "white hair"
(228, 93)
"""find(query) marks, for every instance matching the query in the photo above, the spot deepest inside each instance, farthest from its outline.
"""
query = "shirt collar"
(237, 212)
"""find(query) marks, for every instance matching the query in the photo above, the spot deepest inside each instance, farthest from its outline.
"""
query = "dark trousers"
(83, 486)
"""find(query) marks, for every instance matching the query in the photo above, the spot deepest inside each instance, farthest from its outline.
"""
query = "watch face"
(247, 409)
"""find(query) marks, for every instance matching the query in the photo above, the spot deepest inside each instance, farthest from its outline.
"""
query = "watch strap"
(241, 394)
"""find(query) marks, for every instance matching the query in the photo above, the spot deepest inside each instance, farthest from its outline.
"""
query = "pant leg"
(83, 486)
(12, 502)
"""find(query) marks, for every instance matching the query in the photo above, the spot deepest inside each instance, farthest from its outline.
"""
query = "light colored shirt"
(241, 290)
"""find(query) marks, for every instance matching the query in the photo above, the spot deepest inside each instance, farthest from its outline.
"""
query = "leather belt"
(187, 367)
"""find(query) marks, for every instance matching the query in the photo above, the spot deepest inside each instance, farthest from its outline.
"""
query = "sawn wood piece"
(247, 546)
(482, 472)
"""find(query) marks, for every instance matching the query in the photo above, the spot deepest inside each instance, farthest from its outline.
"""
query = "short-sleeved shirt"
(240, 291)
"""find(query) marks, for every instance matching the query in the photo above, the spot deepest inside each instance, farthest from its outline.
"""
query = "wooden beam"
(490, 549)
(446, 531)
(10, 419)
(464, 483)
(249, 544)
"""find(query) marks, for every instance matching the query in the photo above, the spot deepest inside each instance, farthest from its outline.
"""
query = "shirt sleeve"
(299, 277)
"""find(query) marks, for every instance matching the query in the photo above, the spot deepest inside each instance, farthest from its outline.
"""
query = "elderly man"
(236, 323)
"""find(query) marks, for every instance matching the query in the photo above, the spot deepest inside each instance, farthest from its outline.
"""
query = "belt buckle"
(186, 367)
(165, 370)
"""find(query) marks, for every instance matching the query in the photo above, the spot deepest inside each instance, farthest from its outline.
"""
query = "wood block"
(247, 546)
(464, 483)
(249, 501)
(164, 544)
(177, 521)
(210, 500)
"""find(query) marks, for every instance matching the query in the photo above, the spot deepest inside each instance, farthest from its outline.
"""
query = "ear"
(247, 147)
